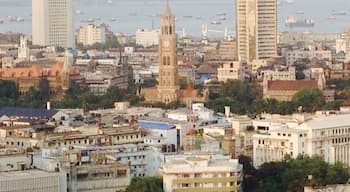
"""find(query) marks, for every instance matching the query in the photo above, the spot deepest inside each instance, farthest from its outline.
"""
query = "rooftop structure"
(205, 172)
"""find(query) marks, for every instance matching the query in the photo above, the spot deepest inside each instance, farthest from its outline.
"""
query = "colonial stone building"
(57, 76)
(168, 89)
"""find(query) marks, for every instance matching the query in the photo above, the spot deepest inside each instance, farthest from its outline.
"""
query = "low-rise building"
(231, 70)
(146, 38)
(33, 180)
(205, 172)
(322, 134)
(94, 171)
(91, 34)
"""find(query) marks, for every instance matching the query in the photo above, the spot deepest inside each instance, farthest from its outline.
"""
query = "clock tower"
(168, 88)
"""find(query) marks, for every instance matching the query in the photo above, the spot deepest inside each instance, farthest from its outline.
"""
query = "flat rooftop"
(17, 175)
(154, 125)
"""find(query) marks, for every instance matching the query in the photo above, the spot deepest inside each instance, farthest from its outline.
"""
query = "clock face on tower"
(166, 43)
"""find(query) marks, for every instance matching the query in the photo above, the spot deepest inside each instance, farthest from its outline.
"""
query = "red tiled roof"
(289, 85)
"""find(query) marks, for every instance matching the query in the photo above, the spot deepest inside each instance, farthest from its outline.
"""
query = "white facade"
(23, 50)
(32, 180)
(325, 135)
(147, 37)
(91, 34)
(229, 71)
(52, 23)
(206, 171)
(157, 136)
(295, 55)
(284, 74)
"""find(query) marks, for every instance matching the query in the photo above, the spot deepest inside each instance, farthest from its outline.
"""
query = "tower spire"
(167, 8)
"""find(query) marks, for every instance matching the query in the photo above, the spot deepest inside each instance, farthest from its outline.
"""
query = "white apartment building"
(202, 172)
(159, 133)
(33, 180)
(232, 70)
(325, 135)
(296, 55)
(52, 23)
(91, 34)
(256, 29)
(278, 74)
(146, 37)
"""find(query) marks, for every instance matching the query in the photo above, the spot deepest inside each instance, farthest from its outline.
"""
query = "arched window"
(168, 60)
(164, 60)
(170, 30)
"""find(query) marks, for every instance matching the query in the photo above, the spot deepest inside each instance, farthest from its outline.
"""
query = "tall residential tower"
(52, 23)
(256, 29)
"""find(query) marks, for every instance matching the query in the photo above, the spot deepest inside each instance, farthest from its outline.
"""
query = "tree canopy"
(310, 99)
(146, 184)
(291, 174)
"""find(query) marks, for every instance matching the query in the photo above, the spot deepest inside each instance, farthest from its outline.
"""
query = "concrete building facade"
(52, 23)
(201, 173)
(256, 29)
(91, 34)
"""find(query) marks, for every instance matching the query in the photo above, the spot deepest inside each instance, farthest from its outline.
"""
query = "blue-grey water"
(133, 14)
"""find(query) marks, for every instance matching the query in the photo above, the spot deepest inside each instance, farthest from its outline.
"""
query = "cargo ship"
(340, 13)
(295, 22)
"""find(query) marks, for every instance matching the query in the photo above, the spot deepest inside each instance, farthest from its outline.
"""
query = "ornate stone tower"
(168, 88)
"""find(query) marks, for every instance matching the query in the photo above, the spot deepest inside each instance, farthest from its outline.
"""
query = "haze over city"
(174, 96)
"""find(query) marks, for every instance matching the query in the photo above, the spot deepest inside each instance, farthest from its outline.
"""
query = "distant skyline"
(133, 14)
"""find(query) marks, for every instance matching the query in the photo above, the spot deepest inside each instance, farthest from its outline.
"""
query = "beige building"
(256, 29)
(91, 34)
(146, 37)
(32, 180)
(228, 50)
(95, 171)
(231, 70)
(52, 23)
(204, 172)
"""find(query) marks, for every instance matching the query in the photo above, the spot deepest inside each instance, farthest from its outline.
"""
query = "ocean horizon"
(127, 16)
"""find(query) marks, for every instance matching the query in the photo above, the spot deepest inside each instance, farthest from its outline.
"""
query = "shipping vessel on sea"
(296, 22)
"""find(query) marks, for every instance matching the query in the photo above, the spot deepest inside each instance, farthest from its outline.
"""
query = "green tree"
(149, 82)
(311, 100)
(239, 95)
(146, 184)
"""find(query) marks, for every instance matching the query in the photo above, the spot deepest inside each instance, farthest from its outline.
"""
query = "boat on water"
(1, 21)
(113, 19)
(296, 22)
(78, 12)
(222, 18)
(14, 19)
(216, 22)
(300, 12)
(341, 13)
(188, 16)
(90, 20)
(332, 17)
(221, 14)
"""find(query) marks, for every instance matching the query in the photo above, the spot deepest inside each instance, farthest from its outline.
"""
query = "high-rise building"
(52, 23)
(168, 88)
(256, 29)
